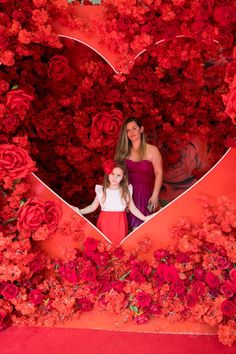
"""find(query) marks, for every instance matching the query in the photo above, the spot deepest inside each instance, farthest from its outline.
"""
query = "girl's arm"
(90, 208)
(136, 212)
(158, 170)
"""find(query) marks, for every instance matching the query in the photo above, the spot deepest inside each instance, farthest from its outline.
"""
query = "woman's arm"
(90, 208)
(156, 160)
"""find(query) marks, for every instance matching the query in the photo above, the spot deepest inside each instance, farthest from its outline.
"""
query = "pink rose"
(58, 67)
(52, 215)
(36, 296)
(10, 291)
(18, 102)
(15, 162)
(32, 215)
(143, 299)
(84, 304)
(105, 128)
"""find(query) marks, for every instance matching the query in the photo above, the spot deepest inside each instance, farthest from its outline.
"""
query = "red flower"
(160, 254)
(15, 162)
(52, 215)
(58, 67)
(178, 287)
(223, 262)
(84, 304)
(18, 102)
(199, 272)
(101, 258)
(191, 300)
(108, 166)
(36, 296)
(141, 319)
(32, 215)
(123, 23)
(228, 308)
(4, 86)
(225, 15)
(68, 272)
(198, 288)
(105, 128)
(143, 299)
(118, 285)
(136, 276)
(10, 291)
(227, 288)
(212, 280)
(90, 244)
(170, 273)
(89, 274)
(230, 101)
(119, 252)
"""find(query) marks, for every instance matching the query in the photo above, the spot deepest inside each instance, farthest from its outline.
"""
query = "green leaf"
(133, 308)
(14, 87)
(9, 220)
(23, 201)
(124, 276)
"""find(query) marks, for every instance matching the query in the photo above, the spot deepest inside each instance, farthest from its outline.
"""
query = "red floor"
(82, 341)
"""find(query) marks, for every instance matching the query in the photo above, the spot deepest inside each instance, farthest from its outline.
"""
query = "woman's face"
(116, 177)
(134, 131)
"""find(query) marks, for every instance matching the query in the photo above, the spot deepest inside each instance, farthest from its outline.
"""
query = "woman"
(144, 166)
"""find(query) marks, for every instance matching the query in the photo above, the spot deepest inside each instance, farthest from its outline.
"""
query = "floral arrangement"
(194, 279)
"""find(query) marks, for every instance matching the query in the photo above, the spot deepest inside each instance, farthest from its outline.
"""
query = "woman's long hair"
(125, 194)
(124, 144)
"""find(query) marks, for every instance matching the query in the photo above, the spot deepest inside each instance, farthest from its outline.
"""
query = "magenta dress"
(141, 176)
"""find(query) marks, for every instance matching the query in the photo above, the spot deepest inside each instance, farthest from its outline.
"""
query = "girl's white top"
(113, 201)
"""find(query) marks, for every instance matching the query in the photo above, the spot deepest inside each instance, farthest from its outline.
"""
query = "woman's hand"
(153, 203)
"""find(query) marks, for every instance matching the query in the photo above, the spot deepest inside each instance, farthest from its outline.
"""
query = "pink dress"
(141, 176)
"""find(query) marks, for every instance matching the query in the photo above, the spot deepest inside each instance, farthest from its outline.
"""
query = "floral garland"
(194, 279)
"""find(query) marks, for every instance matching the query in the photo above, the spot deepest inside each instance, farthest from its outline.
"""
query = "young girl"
(114, 196)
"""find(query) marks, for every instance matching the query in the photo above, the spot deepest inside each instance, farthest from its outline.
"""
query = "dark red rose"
(108, 166)
(10, 124)
(58, 67)
(118, 285)
(68, 272)
(143, 299)
(228, 308)
(227, 288)
(105, 128)
(123, 23)
(3, 323)
(90, 244)
(89, 274)
(10, 291)
(178, 287)
(101, 258)
(31, 215)
(141, 319)
(160, 254)
(223, 262)
(52, 215)
(119, 252)
(15, 162)
(84, 304)
(225, 15)
(191, 300)
(137, 276)
(18, 102)
(36, 296)
(2, 110)
(36, 266)
(154, 309)
(4, 86)
(212, 280)
(199, 272)
(198, 288)
(232, 275)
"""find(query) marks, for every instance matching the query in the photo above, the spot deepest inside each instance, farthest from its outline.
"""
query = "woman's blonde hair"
(125, 194)
(124, 144)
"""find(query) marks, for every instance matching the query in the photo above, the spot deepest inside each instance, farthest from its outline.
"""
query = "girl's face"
(134, 131)
(116, 176)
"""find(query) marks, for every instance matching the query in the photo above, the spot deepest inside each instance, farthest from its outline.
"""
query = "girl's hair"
(124, 144)
(125, 194)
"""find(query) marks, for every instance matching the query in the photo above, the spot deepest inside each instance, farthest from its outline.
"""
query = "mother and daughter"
(132, 181)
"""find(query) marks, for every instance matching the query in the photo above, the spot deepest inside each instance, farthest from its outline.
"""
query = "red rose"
(230, 101)
(199, 272)
(228, 308)
(108, 166)
(2, 323)
(154, 309)
(36, 266)
(232, 275)
(4, 86)
(58, 67)
(141, 319)
(178, 287)
(10, 124)
(32, 215)
(212, 280)
(52, 215)
(105, 128)
(15, 162)
(68, 272)
(223, 262)
(84, 304)
(160, 254)
(101, 258)
(123, 23)
(118, 285)
(119, 252)
(143, 299)
(224, 15)
(10, 291)
(227, 288)
(18, 102)
(191, 300)
(36, 296)
(89, 274)
(137, 276)
(198, 288)
(90, 244)
(171, 274)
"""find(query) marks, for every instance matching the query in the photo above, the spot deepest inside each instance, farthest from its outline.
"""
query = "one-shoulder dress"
(141, 176)
(112, 220)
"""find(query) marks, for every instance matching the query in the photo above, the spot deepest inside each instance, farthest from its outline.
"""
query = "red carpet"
(69, 341)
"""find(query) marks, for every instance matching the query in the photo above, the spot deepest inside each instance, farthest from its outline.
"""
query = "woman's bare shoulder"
(152, 149)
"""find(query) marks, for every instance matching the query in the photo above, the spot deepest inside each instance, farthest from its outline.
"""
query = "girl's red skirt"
(113, 224)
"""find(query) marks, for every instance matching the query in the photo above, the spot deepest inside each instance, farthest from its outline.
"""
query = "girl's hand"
(150, 216)
(75, 208)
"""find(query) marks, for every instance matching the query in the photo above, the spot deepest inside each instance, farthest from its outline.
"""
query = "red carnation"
(108, 166)
(15, 162)
(58, 67)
